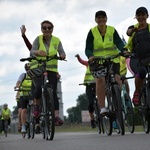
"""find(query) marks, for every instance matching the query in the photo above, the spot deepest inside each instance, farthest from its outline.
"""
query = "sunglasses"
(47, 28)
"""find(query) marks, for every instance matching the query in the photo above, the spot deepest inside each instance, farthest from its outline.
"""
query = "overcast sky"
(72, 21)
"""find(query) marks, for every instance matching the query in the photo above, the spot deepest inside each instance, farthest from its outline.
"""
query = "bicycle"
(127, 107)
(144, 108)
(102, 67)
(30, 120)
(97, 116)
(47, 116)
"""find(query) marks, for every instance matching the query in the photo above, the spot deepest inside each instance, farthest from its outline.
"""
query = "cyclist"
(24, 84)
(47, 45)
(29, 46)
(90, 89)
(103, 40)
(6, 114)
(135, 66)
(19, 110)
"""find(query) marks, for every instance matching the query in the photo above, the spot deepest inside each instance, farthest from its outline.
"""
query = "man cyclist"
(6, 114)
(90, 89)
(24, 84)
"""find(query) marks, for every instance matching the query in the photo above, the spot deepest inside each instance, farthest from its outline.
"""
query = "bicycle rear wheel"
(144, 111)
(129, 116)
(32, 127)
(118, 107)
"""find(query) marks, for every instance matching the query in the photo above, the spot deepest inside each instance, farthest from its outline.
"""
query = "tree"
(74, 113)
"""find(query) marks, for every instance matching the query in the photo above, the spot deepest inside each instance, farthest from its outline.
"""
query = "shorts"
(24, 100)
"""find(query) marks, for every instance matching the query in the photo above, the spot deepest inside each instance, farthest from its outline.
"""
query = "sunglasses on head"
(45, 28)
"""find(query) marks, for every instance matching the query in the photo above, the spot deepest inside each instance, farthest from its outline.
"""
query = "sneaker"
(36, 111)
(58, 121)
(37, 129)
(115, 125)
(135, 99)
(93, 125)
(103, 111)
(23, 129)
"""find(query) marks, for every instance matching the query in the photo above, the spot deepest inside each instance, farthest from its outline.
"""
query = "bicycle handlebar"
(48, 58)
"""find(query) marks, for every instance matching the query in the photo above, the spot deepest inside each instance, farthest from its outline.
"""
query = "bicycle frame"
(113, 95)
(47, 115)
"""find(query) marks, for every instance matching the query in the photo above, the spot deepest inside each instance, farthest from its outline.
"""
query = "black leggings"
(3, 124)
(52, 76)
(90, 94)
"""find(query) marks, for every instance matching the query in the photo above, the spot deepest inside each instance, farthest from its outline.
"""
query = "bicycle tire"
(107, 120)
(129, 116)
(118, 107)
(49, 118)
(42, 126)
(32, 127)
(144, 111)
(28, 122)
(28, 129)
(98, 118)
(51, 113)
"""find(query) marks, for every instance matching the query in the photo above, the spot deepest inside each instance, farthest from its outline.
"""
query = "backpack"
(141, 43)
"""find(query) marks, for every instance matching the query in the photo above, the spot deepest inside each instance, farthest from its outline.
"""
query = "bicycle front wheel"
(107, 120)
(118, 107)
(144, 112)
(98, 118)
(49, 118)
(129, 116)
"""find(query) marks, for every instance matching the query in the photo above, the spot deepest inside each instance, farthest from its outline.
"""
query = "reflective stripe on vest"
(106, 47)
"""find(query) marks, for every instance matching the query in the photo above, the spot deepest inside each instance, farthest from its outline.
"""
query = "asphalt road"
(78, 141)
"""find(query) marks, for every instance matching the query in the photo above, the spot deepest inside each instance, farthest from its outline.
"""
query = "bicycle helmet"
(97, 70)
(35, 72)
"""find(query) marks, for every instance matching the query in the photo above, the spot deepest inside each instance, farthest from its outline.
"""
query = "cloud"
(72, 20)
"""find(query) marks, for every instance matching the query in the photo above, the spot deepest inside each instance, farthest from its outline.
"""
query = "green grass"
(85, 127)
